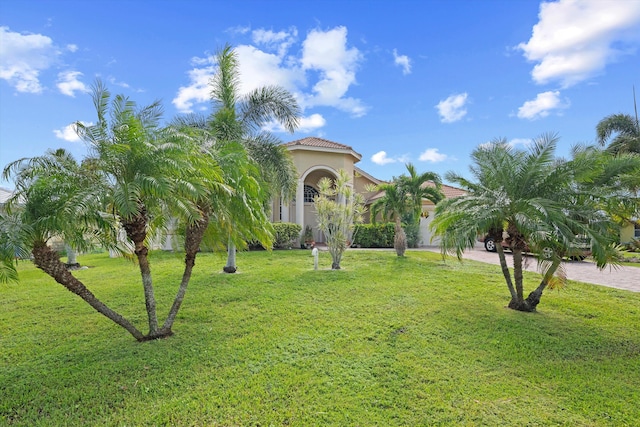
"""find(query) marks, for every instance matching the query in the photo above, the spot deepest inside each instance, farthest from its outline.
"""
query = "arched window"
(310, 193)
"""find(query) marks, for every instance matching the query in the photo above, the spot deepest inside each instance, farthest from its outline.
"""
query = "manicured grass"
(628, 255)
(386, 341)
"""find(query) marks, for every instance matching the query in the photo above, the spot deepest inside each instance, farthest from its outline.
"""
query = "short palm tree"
(419, 186)
(392, 206)
(626, 130)
(533, 197)
(416, 186)
(55, 198)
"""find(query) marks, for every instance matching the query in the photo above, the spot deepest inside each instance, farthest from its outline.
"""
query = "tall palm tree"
(392, 206)
(626, 130)
(533, 197)
(241, 118)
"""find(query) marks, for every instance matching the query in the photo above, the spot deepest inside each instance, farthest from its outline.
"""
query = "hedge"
(374, 235)
(286, 234)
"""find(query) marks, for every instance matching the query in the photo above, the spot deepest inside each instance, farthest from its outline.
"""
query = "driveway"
(627, 278)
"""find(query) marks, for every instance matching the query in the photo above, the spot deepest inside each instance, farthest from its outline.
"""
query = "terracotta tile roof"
(448, 190)
(313, 141)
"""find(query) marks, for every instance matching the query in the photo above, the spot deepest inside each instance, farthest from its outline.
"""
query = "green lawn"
(386, 341)
(629, 255)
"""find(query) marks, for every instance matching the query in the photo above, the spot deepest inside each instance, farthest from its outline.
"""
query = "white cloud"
(327, 53)
(238, 30)
(311, 123)
(575, 39)
(23, 57)
(432, 155)
(403, 61)
(197, 91)
(307, 124)
(113, 81)
(72, 47)
(542, 106)
(69, 132)
(520, 141)
(380, 158)
(68, 83)
(280, 41)
(323, 58)
(258, 68)
(453, 108)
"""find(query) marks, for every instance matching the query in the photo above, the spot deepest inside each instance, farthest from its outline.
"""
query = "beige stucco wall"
(627, 233)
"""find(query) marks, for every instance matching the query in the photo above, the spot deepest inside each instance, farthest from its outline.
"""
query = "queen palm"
(537, 200)
(622, 131)
(241, 118)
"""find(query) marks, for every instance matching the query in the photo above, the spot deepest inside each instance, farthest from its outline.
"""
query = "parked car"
(579, 250)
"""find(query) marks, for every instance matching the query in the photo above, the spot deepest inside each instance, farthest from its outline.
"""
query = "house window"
(636, 232)
(310, 193)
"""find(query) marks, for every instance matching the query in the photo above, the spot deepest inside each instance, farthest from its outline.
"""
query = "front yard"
(386, 341)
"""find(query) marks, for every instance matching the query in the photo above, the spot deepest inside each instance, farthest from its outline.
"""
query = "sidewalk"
(622, 277)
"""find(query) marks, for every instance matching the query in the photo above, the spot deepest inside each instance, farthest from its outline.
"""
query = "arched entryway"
(304, 213)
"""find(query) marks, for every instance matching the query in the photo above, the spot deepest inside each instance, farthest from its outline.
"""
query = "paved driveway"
(627, 278)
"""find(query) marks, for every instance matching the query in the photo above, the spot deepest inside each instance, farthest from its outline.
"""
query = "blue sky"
(399, 81)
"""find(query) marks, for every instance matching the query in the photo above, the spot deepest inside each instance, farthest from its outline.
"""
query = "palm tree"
(537, 200)
(627, 133)
(138, 177)
(392, 206)
(426, 185)
(417, 187)
(240, 118)
(54, 199)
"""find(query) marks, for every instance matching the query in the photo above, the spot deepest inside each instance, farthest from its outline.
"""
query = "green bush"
(412, 230)
(286, 234)
(633, 245)
(374, 235)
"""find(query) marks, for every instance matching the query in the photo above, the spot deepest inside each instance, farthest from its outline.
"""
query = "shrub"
(374, 235)
(412, 230)
(286, 234)
(633, 245)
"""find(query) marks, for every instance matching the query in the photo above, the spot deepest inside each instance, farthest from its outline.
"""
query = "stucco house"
(5, 195)
(315, 158)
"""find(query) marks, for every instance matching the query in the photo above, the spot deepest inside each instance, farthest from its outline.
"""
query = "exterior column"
(284, 210)
(300, 203)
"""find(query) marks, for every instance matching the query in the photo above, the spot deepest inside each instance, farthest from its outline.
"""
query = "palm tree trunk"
(400, 238)
(519, 303)
(505, 272)
(533, 299)
(136, 229)
(231, 258)
(193, 238)
(48, 261)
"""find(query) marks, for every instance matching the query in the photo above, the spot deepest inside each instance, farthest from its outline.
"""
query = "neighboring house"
(5, 194)
(629, 232)
(316, 158)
